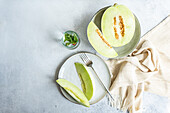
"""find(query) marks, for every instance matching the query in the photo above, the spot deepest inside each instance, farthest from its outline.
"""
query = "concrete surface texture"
(30, 55)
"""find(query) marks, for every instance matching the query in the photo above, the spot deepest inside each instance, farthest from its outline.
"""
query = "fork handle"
(102, 83)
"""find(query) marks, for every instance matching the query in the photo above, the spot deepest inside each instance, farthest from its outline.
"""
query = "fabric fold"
(146, 69)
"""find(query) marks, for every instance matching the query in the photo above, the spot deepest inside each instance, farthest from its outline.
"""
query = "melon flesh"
(118, 25)
(74, 91)
(98, 41)
(86, 81)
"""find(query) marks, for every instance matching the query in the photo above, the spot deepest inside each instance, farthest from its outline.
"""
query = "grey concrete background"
(30, 55)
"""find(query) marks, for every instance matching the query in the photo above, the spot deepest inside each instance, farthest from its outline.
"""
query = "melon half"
(98, 41)
(118, 25)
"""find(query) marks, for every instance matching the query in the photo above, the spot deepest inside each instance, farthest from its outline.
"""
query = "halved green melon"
(86, 82)
(74, 91)
(118, 25)
(98, 42)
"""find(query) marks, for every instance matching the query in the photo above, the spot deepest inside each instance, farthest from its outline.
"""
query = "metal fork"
(89, 63)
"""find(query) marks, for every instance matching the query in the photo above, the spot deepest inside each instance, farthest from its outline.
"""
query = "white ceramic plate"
(68, 72)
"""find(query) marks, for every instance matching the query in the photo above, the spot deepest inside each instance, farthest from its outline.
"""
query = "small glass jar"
(70, 39)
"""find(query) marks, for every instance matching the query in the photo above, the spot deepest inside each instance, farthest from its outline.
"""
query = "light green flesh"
(85, 79)
(97, 43)
(108, 29)
(74, 91)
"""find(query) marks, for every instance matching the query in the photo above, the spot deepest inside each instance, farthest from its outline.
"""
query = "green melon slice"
(118, 25)
(86, 82)
(74, 91)
(98, 42)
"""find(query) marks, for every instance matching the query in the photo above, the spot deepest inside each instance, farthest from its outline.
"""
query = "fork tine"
(83, 58)
(86, 57)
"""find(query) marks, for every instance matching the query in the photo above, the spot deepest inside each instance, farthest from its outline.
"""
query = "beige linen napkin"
(146, 69)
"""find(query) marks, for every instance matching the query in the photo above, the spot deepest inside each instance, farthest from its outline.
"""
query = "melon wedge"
(98, 41)
(118, 25)
(86, 82)
(74, 91)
